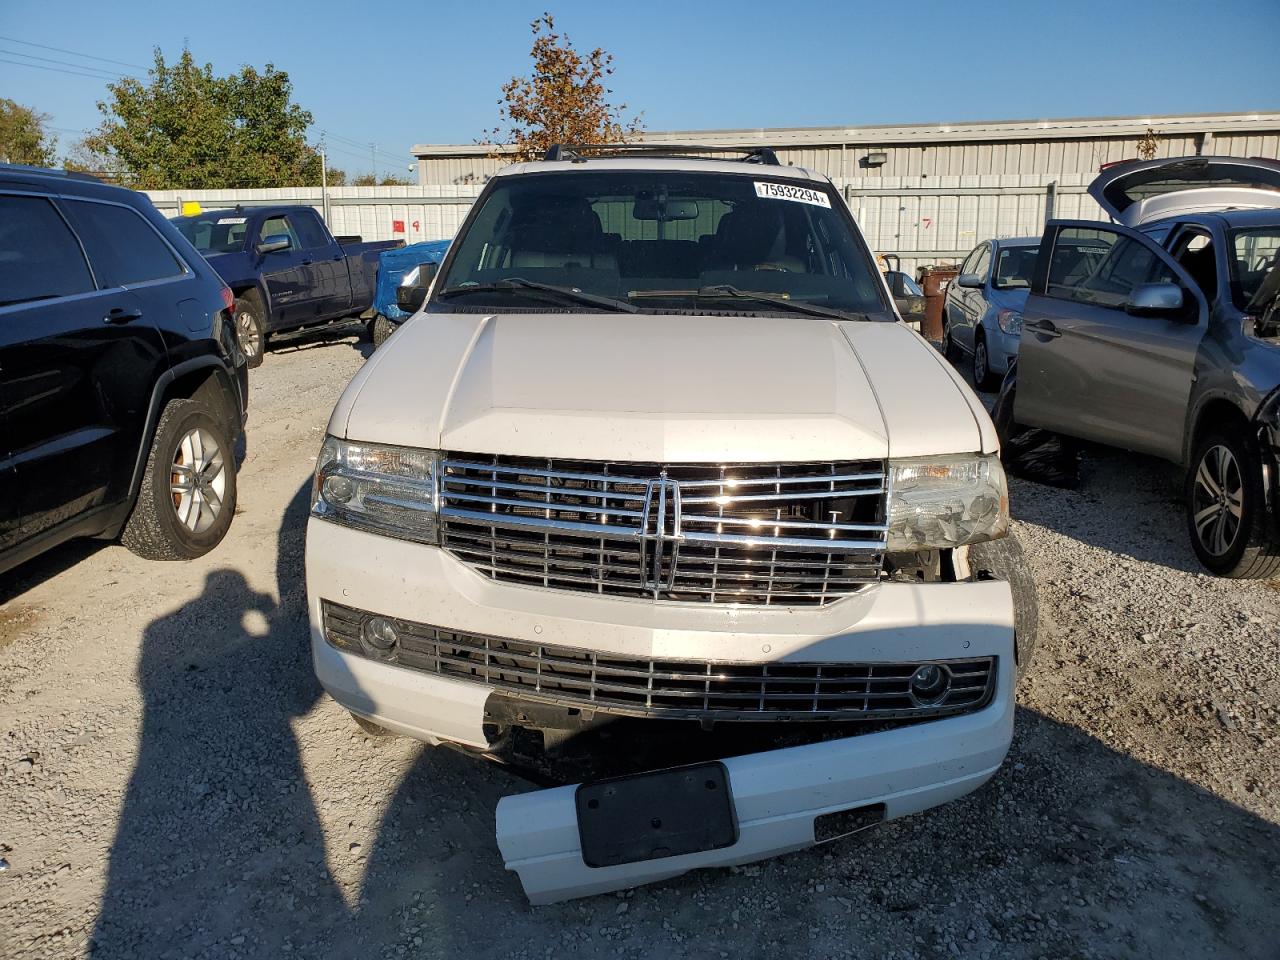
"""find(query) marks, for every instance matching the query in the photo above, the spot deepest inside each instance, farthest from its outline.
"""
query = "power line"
(64, 63)
(74, 73)
(88, 56)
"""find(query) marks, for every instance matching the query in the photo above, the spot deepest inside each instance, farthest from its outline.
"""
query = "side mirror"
(969, 280)
(273, 243)
(412, 291)
(1154, 300)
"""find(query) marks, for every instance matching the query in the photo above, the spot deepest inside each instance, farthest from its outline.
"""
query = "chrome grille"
(675, 689)
(786, 534)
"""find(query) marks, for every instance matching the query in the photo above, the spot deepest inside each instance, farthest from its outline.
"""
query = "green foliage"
(22, 136)
(186, 128)
(369, 180)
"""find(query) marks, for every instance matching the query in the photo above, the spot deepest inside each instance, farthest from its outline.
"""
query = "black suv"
(122, 389)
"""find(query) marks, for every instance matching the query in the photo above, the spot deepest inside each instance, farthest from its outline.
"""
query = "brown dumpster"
(935, 281)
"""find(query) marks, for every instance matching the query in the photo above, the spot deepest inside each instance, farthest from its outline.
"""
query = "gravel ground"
(173, 783)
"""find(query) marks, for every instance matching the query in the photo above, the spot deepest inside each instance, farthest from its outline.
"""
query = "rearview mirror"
(664, 211)
(277, 241)
(412, 291)
(1154, 299)
(969, 280)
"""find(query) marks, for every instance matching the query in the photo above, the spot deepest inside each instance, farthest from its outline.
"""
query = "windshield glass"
(1255, 255)
(213, 233)
(1013, 269)
(662, 240)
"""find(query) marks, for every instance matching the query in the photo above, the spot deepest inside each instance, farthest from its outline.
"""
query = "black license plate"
(653, 815)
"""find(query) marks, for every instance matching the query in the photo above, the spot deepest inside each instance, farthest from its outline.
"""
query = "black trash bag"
(1030, 452)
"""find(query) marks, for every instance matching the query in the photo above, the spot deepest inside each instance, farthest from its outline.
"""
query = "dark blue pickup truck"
(286, 269)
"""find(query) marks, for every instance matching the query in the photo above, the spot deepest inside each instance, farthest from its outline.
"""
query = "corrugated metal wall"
(426, 213)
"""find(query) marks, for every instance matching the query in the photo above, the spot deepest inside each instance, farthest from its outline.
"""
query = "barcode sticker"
(789, 191)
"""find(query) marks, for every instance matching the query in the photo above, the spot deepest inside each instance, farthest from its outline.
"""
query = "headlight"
(384, 489)
(1010, 322)
(940, 502)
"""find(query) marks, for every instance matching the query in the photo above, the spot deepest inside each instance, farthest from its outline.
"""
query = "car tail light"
(228, 298)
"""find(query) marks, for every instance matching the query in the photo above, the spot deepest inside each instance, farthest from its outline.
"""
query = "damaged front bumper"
(776, 794)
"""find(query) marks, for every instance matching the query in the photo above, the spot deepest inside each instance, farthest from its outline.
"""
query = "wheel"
(949, 348)
(249, 331)
(1226, 516)
(188, 493)
(981, 363)
(380, 329)
(1003, 559)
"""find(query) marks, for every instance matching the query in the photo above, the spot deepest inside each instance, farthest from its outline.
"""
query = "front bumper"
(777, 794)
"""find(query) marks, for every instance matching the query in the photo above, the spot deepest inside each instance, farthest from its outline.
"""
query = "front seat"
(560, 235)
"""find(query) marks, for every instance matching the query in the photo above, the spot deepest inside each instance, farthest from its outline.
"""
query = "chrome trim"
(578, 525)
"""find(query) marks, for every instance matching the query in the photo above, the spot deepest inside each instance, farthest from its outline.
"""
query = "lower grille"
(674, 689)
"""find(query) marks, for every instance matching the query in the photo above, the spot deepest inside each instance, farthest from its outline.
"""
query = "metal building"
(929, 192)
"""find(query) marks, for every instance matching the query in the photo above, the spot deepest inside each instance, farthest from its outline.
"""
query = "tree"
(336, 177)
(565, 100)
(370, 180)
(186, 128)
(1149, 144)
(23, 138)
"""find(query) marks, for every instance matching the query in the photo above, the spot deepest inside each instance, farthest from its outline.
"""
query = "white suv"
(657, 477)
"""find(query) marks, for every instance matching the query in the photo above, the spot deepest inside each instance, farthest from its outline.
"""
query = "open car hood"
(1138, 192)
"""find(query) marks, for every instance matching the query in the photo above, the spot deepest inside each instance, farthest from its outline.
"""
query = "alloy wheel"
(198, 480)
(1218, 500)
(980, 371)
(248, 335)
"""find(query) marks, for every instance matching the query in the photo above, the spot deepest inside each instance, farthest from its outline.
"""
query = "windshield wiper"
(721, 290)
(572, 294)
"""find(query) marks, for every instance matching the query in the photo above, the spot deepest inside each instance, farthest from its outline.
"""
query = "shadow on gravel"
(1073, 850)
(35, 571)
(324, 336)
(1126, 503)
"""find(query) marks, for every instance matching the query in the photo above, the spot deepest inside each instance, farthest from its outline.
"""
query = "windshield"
(662, 240)
(1013, 269)
(214, 233)
(1255, 255)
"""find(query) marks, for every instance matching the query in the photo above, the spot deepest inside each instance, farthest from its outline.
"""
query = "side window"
(122, 246)
(278, 226)
(308, 230)
(1101, 267)
(983, 263)
(40, 257)
(1193, 249)
(970, 260)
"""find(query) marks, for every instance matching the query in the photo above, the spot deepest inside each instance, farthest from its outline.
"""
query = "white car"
(657, 477)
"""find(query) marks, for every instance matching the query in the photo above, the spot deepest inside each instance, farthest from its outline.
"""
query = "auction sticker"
(789, 191)
(224, 221)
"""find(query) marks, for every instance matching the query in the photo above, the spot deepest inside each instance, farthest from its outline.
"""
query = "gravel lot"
(173, 783)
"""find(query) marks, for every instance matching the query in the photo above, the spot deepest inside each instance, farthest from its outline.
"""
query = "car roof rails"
(580, 154)
(49, 172)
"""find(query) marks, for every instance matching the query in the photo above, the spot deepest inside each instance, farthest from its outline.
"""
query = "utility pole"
(374, 148)
(324, 184)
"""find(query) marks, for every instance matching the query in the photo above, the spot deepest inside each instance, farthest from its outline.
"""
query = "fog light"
(380, 634)
(338, 489)
(929, 683)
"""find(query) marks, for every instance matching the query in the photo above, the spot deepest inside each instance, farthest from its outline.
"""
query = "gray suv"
(1160, 333)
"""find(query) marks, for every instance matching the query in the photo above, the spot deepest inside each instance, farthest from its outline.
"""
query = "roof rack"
(580, 154)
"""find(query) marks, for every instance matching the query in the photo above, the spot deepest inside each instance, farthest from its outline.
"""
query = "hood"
(662, 388)
(1014, 298)
(1137, 192)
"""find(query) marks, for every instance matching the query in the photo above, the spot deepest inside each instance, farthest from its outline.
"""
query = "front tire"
(982, 379)
(1226, 515)
(188, 494)
(250, 331)
(1003, 559)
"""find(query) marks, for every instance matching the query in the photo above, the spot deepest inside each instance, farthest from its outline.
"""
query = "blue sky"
(396, 73)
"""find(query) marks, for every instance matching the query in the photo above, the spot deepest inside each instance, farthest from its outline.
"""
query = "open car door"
(1139, 191)
(1110, 333)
